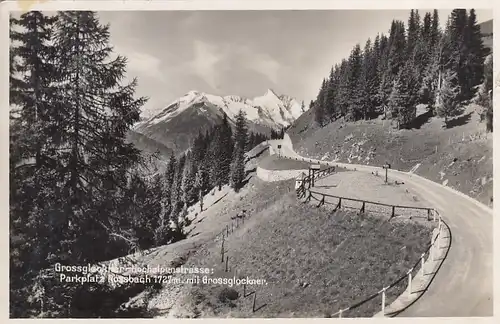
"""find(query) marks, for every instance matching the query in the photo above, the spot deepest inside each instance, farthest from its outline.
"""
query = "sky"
(242, 52)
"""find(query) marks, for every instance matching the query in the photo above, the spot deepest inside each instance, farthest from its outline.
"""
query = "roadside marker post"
(386, 166)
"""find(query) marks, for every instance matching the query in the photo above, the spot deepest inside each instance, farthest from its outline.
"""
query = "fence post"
(340, 314)
(232, 227)
(222, 249)
(383, 301)
(362, 208)
(309, 197)
(429, 214)
(422, 269)
(227, 261)
(339, 205)
(409, 282)
(393, 211)
(321, 202)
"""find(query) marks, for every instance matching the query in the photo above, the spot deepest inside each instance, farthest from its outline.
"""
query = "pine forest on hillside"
(78, 192)
(417, 63)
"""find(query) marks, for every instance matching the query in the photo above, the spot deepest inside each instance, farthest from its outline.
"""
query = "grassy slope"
(460, 157)
(313, 264)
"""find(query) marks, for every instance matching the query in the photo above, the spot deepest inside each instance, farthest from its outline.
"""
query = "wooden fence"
(304, 191)
(224, 251)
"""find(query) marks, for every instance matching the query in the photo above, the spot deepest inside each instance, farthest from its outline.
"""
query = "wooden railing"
(304, 191)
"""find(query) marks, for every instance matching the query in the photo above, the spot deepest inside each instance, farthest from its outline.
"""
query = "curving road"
(464, 284)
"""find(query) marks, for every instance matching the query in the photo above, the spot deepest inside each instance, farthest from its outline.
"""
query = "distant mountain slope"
(487, 33)
(146, 144)
(176, 125)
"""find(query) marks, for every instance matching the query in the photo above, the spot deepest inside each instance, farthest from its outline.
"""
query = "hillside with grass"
(309, 271)
(419, 98)
(460, 156)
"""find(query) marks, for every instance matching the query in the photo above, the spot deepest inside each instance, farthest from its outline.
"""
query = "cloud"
(204, 61)
(262, 63)
(266, 65)
(141, 63)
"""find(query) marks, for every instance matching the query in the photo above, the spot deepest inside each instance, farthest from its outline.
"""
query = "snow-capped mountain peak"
(270, 110)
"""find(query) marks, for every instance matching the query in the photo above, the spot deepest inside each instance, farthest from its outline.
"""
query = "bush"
(228, 294)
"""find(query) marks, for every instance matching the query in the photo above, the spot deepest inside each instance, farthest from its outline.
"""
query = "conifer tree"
(369, 83)
(94, 112)
(398, 99)
(330, 94)
(189, 192)
(353, 82)
(71, 181)
(485, 95)
(238, 161)
(30, 98)
(476, 54)
(238, 169)
(413, 32)
(319, 114)
(223, 153)
(177, 197)
(449, 97)
(410, 79)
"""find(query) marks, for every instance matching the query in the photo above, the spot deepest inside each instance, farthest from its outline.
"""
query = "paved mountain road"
(463, 285)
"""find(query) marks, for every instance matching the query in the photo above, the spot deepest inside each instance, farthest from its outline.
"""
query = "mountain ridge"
(176, 124)
(272, 110)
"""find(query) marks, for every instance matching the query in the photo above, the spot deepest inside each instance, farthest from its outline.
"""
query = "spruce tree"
(435, 29)
(353, 80)
(32, 181)
(321, 109)
(94, 112)
(238, 169)
(319, 114)
(238, 161)
(163, 232)
(476, 54)
(413, 32)
(384, 77)
(455, 51)
(449, 97)
(222, 153)
(398, 100)
(176, 199)
(188, 188)
(485, 95)
(410, 79)
(369, 83)
(70, 183)
(330, 95)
